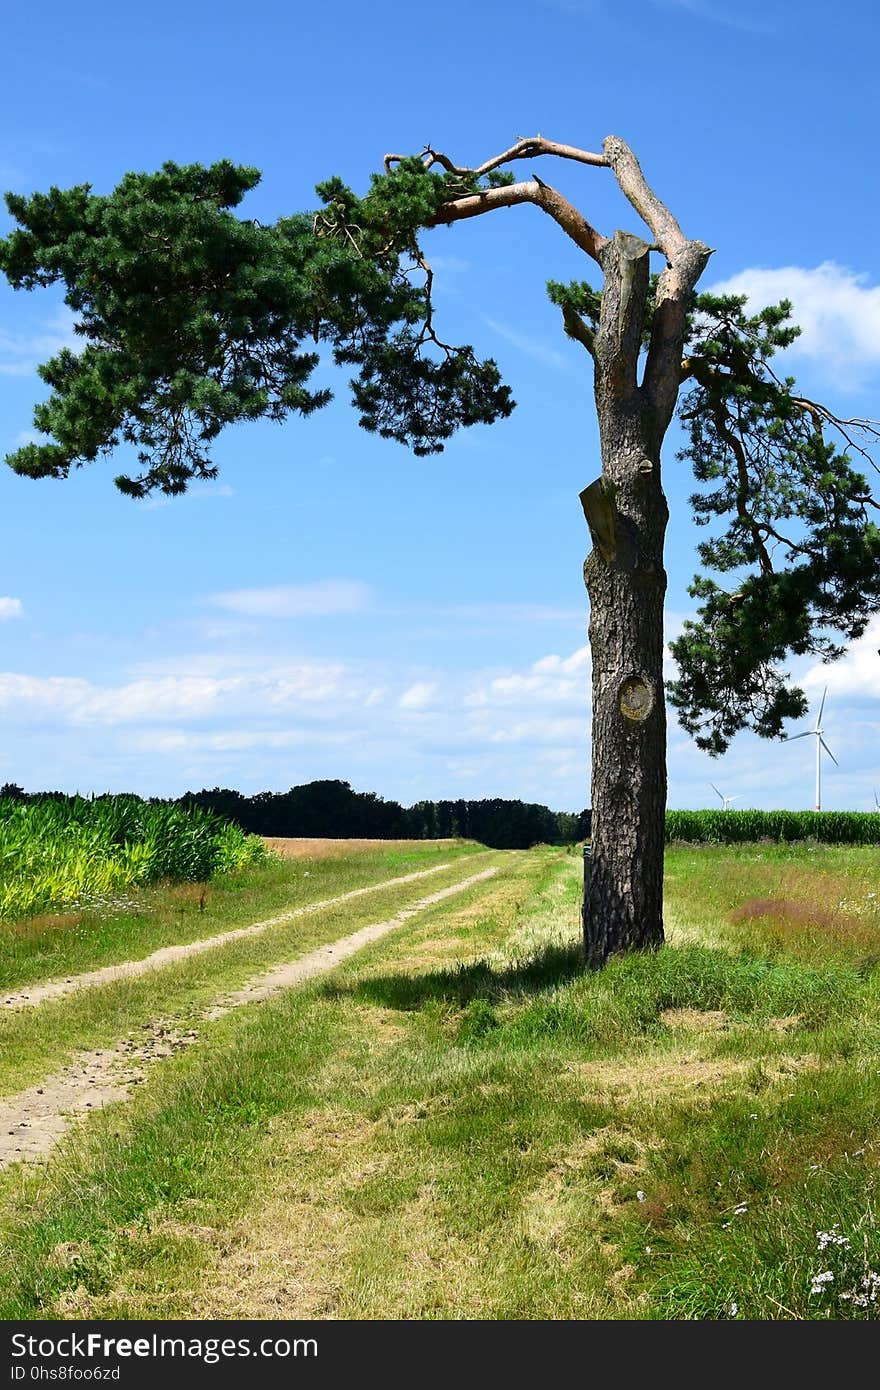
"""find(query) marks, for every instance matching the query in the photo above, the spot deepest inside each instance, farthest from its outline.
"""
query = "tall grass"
(740, 827)
(58, 851)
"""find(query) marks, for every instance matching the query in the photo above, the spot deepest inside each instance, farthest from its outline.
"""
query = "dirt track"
(53, 989)
(33, 1121)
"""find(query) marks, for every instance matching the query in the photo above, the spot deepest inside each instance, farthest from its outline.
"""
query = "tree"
(193, 318)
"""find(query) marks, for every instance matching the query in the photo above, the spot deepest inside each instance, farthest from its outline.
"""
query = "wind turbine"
(820, 744)
(725, 800)
(876, 800)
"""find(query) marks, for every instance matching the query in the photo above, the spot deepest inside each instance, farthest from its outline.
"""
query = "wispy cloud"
(729, 17)
(21, 353)
(196, 492)
(532, 347)
(418, 695)
(250, 720)
(540, 731)
(318, 600)
(450, 265)
(10, 608)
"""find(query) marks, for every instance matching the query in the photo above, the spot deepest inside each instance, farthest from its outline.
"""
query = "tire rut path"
(33, 1120)
(32, 995)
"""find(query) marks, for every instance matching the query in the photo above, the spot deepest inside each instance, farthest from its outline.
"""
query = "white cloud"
(321, 599)
(148, 701)
(10, 608)
(240, 740)
(854, 676)
(836, 309)
(418, 695)
(540, 731)
(237, 719)
(549, 680)
(29, 696)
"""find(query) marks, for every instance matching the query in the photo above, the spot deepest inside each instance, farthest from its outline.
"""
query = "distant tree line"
(332, 809)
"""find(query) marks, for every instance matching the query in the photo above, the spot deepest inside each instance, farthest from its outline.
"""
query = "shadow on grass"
(465, 983)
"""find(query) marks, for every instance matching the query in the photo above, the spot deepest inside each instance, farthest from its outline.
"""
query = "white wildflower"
(832, 1237)
(867, 1291)
(641, 1196)
(733, 1310)
(819, 1281)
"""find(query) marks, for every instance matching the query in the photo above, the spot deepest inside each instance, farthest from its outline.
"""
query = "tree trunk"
(626, 584)
(627, 515)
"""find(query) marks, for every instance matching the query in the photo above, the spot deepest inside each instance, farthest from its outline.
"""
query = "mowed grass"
(63, 944)
(461, 1122)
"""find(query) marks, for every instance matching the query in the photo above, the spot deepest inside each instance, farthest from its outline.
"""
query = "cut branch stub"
(636, 699)
(598, 503)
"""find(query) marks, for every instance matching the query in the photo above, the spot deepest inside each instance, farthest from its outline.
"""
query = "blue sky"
(332, 606)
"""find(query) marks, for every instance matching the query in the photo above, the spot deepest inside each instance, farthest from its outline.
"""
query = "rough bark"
(627, 515)
(624, 905)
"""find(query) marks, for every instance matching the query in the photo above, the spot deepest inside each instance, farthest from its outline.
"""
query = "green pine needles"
(793, 525)
(193, 318)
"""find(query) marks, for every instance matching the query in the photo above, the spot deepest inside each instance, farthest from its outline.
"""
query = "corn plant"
(738, 827)
(56, 851)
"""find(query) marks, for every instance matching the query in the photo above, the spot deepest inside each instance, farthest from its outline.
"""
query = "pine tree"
(193, 317)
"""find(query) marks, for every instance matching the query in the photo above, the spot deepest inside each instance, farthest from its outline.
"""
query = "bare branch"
(523, 149)
(821, 415)
(428, 325)
(627, 170)
(577, 329)
(686, 262)
(543, 196)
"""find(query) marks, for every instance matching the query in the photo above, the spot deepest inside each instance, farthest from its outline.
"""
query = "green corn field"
(56, 852)
(741, 827)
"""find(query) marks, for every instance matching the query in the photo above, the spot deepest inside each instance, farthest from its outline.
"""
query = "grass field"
(458, 1121)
